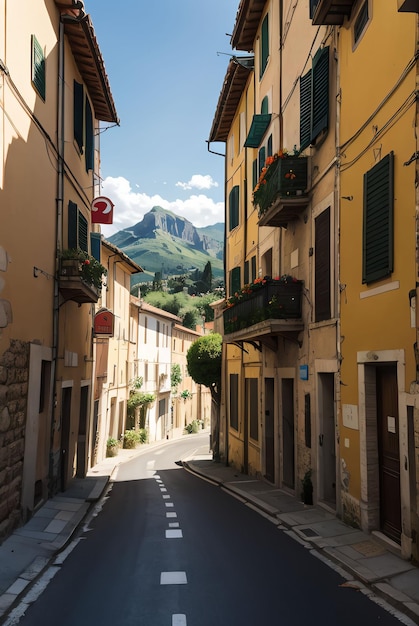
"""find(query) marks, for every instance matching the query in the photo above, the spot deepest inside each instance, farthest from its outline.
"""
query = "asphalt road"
(167, 548)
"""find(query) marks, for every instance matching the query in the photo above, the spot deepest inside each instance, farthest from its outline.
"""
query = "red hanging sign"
(103, 323)
(102, 210)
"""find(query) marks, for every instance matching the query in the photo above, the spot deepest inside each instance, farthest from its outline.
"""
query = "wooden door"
(269, 430)
(388, 450)
(288, 438)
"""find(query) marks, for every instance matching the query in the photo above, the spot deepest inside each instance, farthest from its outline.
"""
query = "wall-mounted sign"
(103, 323)
(102, 210)
(303, 372)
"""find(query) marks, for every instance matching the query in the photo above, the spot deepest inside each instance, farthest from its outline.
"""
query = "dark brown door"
(65, 435)
(269, 430)
(388, 450)
(288, 473)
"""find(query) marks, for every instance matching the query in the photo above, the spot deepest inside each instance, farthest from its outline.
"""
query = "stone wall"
(14, 374)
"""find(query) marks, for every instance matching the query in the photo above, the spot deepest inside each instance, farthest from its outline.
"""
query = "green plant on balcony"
(247, 292)
(284, 173)
(87, 267)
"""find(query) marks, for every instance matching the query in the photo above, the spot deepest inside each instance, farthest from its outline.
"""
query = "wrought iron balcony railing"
(282, 193)
(268, 302)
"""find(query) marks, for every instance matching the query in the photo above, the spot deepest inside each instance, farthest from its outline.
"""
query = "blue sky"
(166, 62)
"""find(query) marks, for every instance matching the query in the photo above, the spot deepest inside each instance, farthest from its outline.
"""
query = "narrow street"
(166, 548)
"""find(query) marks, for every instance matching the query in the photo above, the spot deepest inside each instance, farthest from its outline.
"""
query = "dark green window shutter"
(246, 273)
(264, 45)
(320, 91)
(262, 158)
(253, 407)
(269, 146)
(305, 110)
(38, 67)
(255, 175)
(72, 225)
(233, 204)
(95, 239)
(253, 261)
(89, 136)
(264, 107)
(377, 259)
(313, 7)
(78, 115)
(322, 289)
(83, 233)
(235, 277)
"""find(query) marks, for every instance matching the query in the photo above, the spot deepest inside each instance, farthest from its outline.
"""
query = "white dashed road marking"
(173, 578)
(169, 504)
(173, 524)
(171, 514)
(174, 534)
(179, 620)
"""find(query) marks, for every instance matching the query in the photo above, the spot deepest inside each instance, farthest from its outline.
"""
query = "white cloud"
(198, 181)
(130, 206)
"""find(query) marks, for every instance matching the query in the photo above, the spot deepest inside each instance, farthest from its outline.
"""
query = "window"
(83, 124)
(233, 205)
(255, 174)
(314, 99)
(253, 262)
(246, 273)
(269, 146)
(262, 158)
(234, 401)
(361, 21)
(377, 245)
(264, 45)
(38, 67)
(77, 228)
(235, 280)
(95, 240)
(157, 333)
(322, 290)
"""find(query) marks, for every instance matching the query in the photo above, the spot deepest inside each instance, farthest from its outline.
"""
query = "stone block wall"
(14, 374)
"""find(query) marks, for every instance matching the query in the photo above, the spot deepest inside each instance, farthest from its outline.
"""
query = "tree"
(204, 366)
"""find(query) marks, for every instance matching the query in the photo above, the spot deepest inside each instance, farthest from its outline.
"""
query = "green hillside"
(169, 255)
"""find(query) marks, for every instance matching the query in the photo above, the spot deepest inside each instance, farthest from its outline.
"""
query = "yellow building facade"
(378, 278)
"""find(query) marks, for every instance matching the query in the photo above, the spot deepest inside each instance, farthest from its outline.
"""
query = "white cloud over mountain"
(130, 205)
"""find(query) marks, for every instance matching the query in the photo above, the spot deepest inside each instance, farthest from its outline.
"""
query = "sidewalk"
(365, 562)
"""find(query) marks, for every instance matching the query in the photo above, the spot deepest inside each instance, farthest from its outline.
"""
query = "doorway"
(388, 451)
(81, 438)
(327, 439)
(269, 430)
(288, 438)
(65, 434)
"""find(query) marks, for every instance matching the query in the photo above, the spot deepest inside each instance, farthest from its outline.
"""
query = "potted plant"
(112, 447)
(307, 488)
(77, 262)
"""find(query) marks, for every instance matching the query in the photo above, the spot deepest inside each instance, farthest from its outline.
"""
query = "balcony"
(272, 310)
(282, 193)
(73, 286)
(330, 12)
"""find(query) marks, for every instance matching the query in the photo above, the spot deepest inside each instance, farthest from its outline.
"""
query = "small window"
(246, 276)
(262, 158)
(83, 124)
(234, 401)
(235, 280)
(264, 45)
(361, 21)
(255, 175)
(38, 68)
(253, 266)
(314, 99)
(233, 205)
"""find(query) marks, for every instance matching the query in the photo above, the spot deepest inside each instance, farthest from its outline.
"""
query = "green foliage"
(91, 271)
(193, 427)
(175, 377)
(190, 318)
(185, 394)
(204, 360)
(131, 438)
(112, 446)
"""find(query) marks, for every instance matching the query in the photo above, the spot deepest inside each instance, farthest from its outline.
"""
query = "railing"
(286, 178)
(282, 301)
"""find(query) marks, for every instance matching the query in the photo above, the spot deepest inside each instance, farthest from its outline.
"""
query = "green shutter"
(253, 262)
(78, 115)
(235, 280)
(322, 289)
(264, 107)
(264, 45)
(95, 239)
(262, 158)
(269, 146)
(38, 67)
(233, 205)
(378, 221)
(305, 110)
(255, 175)
(320, 91)
(82, 232)
(72, 225)
(246, 273)
(89, 136)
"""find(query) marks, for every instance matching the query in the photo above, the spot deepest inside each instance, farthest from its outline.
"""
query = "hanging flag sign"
(102, 210)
